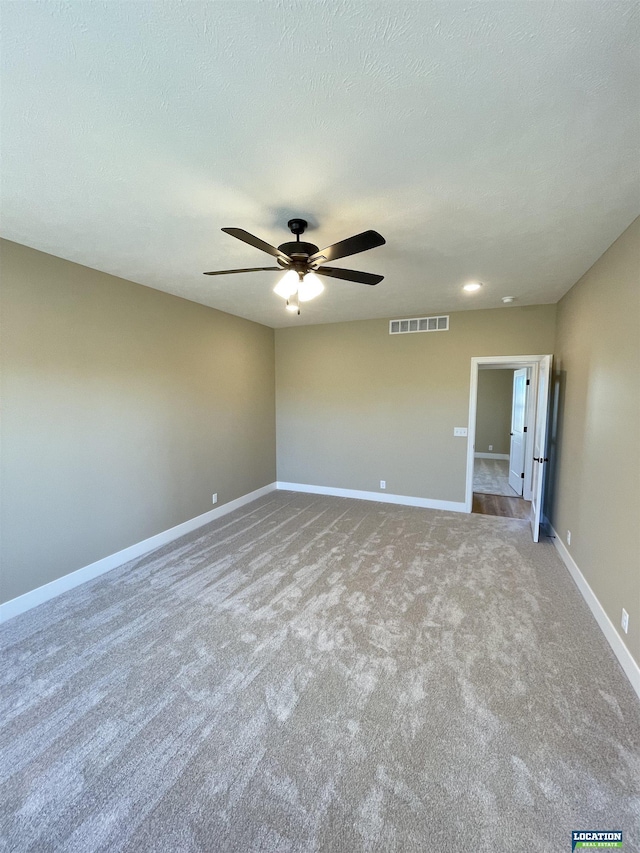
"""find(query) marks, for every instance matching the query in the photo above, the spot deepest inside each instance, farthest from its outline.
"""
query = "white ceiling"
(490, 140)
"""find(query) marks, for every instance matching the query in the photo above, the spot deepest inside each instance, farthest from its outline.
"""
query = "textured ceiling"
(489, 140)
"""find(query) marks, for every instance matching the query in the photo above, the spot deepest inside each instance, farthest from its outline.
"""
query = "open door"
(518, 415)
(540, 445)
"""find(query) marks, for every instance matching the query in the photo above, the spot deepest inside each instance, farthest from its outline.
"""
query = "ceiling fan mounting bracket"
(297, 226)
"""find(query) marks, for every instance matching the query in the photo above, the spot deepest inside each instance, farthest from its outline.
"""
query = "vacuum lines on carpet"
(319, 674)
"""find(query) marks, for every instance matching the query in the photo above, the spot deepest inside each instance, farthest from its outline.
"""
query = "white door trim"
(501, 361)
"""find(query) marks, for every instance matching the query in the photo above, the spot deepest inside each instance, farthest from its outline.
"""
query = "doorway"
(500, 441)
(508, 408)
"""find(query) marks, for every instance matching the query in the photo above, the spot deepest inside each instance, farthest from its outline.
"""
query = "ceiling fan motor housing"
(298, 250)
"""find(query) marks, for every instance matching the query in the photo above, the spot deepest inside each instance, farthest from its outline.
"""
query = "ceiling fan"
(301, 261)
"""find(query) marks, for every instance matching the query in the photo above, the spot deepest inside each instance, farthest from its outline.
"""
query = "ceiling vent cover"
(419, 324)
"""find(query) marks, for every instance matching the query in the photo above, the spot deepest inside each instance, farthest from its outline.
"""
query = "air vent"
(419, 324)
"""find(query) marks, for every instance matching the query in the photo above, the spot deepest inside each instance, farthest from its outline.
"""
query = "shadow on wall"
(554, 442)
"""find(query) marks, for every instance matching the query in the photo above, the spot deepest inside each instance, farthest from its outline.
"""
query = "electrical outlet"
(460, 431)
(215, 498)
(625, 621)
(383, 484)
(568, 537)
(491, 447)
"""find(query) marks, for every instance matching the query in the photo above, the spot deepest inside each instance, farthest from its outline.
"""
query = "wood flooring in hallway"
(500, 505)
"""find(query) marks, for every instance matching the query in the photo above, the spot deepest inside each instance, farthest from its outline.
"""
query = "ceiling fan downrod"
(299, 251)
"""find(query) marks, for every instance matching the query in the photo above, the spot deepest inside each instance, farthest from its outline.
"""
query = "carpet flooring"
(319, 674)
(491, 477)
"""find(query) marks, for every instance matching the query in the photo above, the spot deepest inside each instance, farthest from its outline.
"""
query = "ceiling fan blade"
(350, 275)
(243, 235)
(251, 269)
(350, 246)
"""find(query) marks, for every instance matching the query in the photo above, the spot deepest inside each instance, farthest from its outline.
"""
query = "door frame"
(506, 362)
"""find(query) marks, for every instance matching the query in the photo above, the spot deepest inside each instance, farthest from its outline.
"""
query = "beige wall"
(356, 405)
(124, 409)
(596, 454)
(493, 416)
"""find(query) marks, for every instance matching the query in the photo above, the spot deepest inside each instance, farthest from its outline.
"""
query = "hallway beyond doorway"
(492, 494)
(491, 477)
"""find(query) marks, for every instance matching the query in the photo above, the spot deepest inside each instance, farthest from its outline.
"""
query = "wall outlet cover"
(215, 498)
(625, 621)
(568, 537)
(460, 431)
(383, 484)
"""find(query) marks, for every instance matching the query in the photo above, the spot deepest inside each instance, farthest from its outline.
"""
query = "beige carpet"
(319, 674)
(491, 477)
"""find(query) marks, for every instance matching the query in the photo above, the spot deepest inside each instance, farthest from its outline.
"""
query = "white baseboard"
(491, 455)
(628, 664)
(93, 570)
(404, 500)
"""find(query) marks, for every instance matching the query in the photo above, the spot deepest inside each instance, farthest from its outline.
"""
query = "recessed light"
(508, 299)
(472, 285)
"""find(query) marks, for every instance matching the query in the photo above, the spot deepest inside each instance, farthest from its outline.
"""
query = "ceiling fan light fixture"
(296, 287)
(309, 287)
(288, 285)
